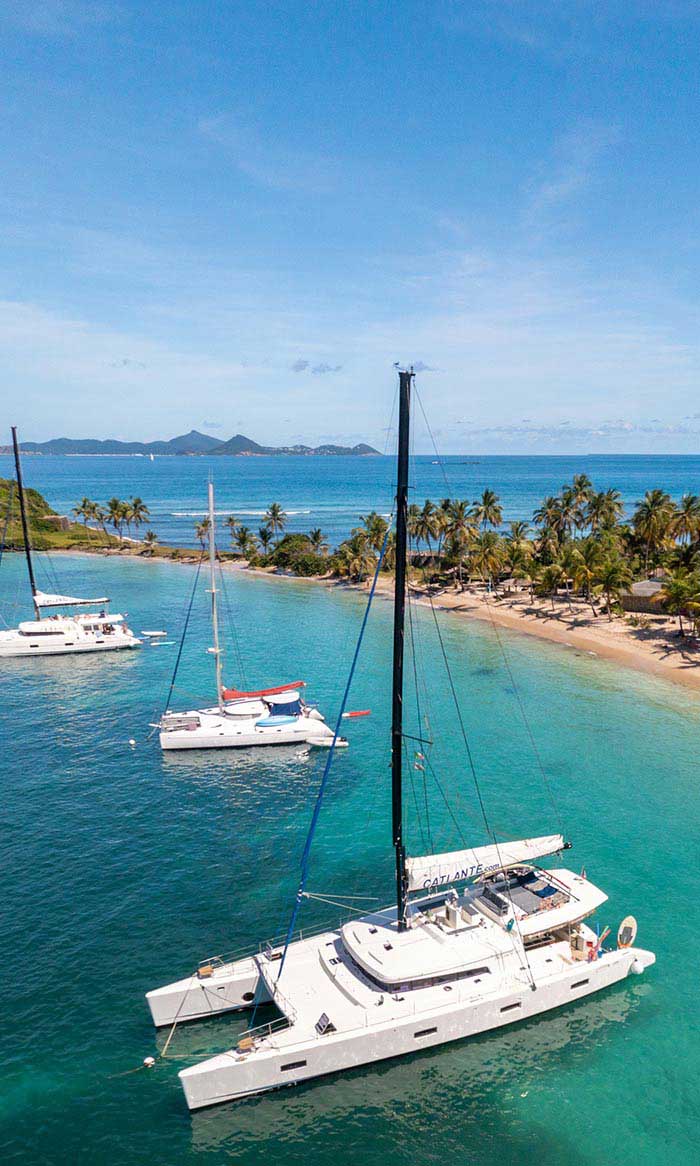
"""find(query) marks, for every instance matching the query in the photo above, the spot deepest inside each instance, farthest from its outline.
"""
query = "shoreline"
(655, 649)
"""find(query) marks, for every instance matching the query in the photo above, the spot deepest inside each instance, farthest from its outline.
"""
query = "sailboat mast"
(216, 649)
(405, 380)
(25, 524)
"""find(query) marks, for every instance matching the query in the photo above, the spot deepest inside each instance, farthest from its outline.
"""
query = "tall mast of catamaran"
(25, 524)
(216, 649)
(405, 381)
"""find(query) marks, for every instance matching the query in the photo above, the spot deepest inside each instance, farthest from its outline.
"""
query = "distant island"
(190, 444)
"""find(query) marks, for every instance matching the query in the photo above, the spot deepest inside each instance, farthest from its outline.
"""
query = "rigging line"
(526, 723)
(184, 630)
(463, 730)
(538, 757)
(10, 500)
(329, 760)
(408, 766)
(231, 623)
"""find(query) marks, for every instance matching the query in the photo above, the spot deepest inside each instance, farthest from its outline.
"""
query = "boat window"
(425, 1032)
(52, 632)
(431, 982)
(509, 1007)
(292, 1065)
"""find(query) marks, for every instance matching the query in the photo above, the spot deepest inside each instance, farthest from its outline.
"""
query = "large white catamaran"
(269, 716)
(60, 634)
(477, 939)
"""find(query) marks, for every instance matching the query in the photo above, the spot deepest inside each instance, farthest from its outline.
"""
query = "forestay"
(42, 599)
(437, 870)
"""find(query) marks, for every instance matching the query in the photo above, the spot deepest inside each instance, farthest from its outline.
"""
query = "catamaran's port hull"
(281, 1061)
(231, 987)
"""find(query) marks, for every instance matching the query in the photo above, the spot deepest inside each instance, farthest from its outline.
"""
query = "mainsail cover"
(437, 870)
(43, 599)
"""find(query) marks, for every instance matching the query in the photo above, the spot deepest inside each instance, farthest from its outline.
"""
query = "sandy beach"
(654, 648)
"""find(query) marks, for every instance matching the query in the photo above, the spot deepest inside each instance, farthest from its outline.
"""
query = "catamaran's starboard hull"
(216, 732)
(10, 649)
(233, 1076)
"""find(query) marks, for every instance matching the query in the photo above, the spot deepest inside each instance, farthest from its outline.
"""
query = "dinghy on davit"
(477, 939)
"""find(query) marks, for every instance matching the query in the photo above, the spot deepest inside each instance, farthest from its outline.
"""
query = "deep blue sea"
(333, 492)
(122, 867)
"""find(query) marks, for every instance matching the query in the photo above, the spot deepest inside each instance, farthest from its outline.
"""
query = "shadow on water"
(470, 1097)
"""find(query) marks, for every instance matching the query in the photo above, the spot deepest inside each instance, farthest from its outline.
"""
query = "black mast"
(405, 380)
(23, 512)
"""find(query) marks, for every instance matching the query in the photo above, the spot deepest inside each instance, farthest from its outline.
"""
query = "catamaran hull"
(234, 1075)
(237, 733)
(229, 988)
(15, 651)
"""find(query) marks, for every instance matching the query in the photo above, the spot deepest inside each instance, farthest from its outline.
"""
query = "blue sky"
(237, 216)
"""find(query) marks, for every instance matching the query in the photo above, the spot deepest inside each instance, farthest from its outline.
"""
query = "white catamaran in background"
(269, 716)
(60, 634)
(487, 939)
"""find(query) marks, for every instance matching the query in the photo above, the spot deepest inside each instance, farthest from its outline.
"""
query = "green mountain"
(190, 444)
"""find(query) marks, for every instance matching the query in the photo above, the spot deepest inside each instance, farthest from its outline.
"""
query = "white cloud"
(268, 162)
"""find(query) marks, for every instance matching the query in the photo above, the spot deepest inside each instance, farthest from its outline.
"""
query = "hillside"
(187, 445)
(47, 529)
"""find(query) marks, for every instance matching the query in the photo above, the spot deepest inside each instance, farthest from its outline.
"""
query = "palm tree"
(231, 523)
(355, 557)
(116, 514)
(653, 521)
(276, 518)
(427, 525)
(245, 541)
(100, 516)
(201, 531)
(551, 517)
(318, 541)
(486, 556)
(581, 492)
(85, 511)
(604, 510)
(687, 524)
(586, 566)
(680, 594)
(549, 580)
(139, 512)
(150, 540)
(612, 577)
(264, 537)
(375, 527)
(459, 529)
(487, 510)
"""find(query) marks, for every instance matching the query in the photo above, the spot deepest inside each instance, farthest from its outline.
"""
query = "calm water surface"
(122, 867)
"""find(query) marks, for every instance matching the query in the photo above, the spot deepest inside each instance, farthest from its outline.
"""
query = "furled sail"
(42, 599)
(438, 870)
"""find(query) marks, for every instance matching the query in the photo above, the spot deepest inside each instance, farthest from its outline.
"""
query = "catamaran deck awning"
(42, 599)
(438, 870)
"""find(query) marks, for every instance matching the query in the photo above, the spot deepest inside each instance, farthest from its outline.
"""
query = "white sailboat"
(477, 939)
(269, 716)
(60, 634)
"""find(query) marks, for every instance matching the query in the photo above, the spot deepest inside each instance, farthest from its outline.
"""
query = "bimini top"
(42, 599)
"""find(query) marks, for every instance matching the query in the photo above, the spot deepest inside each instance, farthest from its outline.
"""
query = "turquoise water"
(121, 868)
(333, 492)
